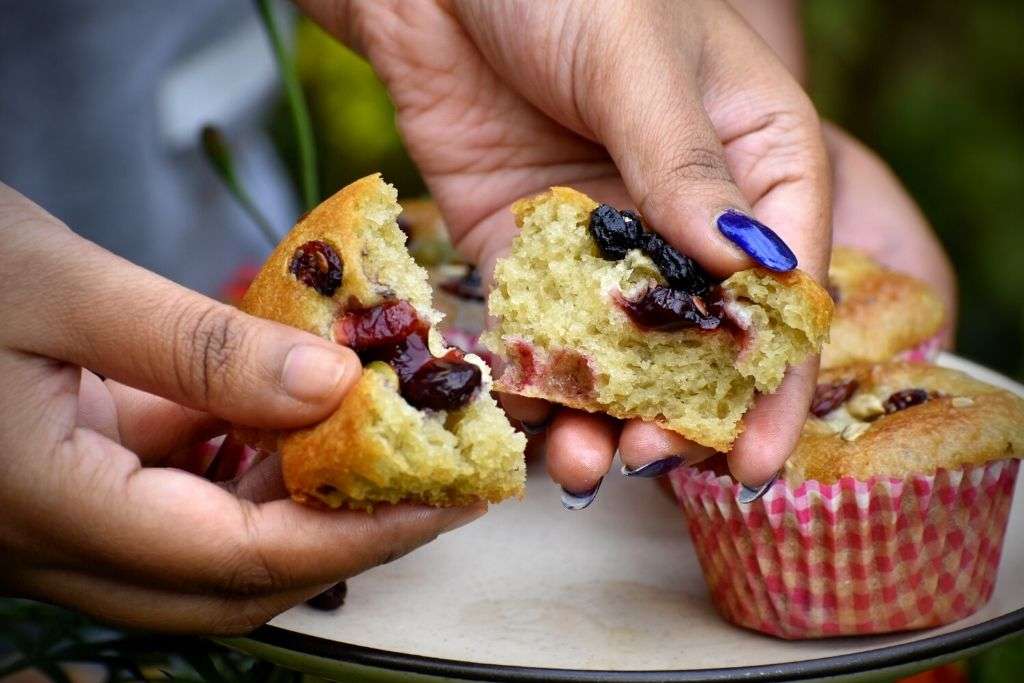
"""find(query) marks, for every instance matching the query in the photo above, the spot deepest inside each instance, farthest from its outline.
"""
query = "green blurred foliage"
(937, 90)
(353, 118)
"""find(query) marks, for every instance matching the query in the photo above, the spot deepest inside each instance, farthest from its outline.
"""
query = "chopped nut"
(865, 407)
(962, 401)
(855, 431)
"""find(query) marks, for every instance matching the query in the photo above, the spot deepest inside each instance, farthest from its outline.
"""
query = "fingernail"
(748, 495)
(578, 501)
(757, 239)
(534, 428)
(312, 373)
(654, 469)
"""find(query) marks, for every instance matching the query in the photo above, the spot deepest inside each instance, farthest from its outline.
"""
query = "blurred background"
(935, 88)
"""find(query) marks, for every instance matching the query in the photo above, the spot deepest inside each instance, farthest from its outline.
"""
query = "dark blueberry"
(442, 384)
(330, 599)
(665, 309)
(614, 234)
(902, 400)
(315, 264)
(681, 271)
(828, 397)
(383, 325)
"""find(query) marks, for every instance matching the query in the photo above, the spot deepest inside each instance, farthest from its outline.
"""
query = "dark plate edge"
(859, 662)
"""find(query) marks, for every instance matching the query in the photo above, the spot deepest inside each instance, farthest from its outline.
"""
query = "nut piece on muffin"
(880, 314)
(597, 313)
(898, 419)
(420, 425)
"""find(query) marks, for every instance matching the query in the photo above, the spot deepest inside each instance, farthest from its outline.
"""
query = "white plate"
(612, 593)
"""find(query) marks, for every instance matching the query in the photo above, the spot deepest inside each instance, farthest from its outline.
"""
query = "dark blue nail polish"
(654, 469)
(748, 495)
(578, 501)
(534, 428)
(757, 239)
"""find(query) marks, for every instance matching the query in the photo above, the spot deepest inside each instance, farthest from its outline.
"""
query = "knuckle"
(697, 164)
(248, 571)
(207, 338)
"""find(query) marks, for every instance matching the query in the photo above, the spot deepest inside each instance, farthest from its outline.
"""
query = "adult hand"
(678, 109)
(874, 213)
(90, 518)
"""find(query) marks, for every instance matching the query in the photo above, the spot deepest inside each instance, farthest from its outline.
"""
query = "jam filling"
(828, 397)
(689, 301)
(392, 332)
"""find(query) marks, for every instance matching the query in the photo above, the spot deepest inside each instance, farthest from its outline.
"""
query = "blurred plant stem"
(217, 152)
(296, 102)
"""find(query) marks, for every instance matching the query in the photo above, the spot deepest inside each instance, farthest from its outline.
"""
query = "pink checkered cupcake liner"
(855, 557)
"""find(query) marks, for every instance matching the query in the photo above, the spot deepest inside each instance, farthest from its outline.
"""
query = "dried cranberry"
(614, 233)
(330, 599)
(665, 309)
(315, 264)
(468, 287)
(383, 325)
(828, 397)
(442, 384)
(907, 398)
(679, 270)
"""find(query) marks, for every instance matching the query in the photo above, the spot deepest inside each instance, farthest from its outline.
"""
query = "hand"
(92, 518)
(676, 108)
(874, 213)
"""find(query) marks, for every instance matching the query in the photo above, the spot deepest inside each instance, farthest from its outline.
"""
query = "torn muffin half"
(420, 424)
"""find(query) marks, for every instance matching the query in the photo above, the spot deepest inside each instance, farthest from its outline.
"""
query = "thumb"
(135, 327)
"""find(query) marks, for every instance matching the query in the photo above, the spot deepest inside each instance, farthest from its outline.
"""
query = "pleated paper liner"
(853, 557)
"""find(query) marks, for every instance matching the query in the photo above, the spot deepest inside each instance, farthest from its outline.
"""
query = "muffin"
(880, 314)
(420, 425)
(596, 313)
(889, 515)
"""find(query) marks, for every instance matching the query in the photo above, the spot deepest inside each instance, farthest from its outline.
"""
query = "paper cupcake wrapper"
(853, 557)
(925, 352)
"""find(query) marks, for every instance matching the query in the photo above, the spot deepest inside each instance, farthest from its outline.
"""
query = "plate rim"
(837, 665)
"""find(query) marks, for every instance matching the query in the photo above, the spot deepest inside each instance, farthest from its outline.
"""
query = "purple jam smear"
(392, 332)
(665, 309)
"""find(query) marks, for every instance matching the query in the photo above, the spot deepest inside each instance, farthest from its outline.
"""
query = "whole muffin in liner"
(889, 516)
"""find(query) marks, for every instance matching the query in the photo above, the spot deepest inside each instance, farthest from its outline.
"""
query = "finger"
(186, 533)
(153, 427)
(773, 142)
(533, 413)
(647, 450)
(580, 449)
(261, 483)
(142, 330)
(772, 427)
(126, 605)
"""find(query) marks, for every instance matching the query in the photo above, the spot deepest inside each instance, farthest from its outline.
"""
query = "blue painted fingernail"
(757, 239)
(578, 501)
(534, 428)
(654, 469)
(748, 495)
